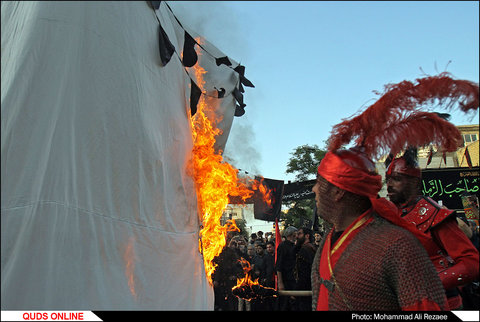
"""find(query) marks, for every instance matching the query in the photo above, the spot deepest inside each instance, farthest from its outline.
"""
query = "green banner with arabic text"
(449, 185)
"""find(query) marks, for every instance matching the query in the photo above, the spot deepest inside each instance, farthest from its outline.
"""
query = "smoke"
(198, 15)
(240, 150)
(220, 24)
(217, 21)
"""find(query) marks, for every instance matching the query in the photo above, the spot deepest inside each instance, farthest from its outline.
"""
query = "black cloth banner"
(195, 93)
(263, 211)
(165, 46)
(190, 56)
(298, 190)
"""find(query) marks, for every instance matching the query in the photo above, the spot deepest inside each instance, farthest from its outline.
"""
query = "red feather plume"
(395, 121)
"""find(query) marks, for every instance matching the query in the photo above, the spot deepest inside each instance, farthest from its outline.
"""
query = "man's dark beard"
(398, 198)
(300, 241)
(405, 195)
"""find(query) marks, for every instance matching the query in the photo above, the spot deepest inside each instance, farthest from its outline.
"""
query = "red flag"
(278, 240)
(467, 156)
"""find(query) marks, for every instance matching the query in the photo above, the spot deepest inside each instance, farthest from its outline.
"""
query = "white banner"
(48, 316)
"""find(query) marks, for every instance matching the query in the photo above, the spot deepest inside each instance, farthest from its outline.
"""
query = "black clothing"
(225, 277)
(259, 267)
(269, 270)
(303, 270)
(286, 259)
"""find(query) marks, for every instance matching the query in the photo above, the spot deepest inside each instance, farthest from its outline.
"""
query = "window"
(467, 138)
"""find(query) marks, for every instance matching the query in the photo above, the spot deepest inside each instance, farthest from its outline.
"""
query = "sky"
(314, 63)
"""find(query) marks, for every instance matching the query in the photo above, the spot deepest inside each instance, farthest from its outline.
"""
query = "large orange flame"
(215, 179)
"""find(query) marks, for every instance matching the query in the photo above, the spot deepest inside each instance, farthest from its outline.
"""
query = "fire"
(249, 289)
(246, 280)
(215, 179)
(129, 258)
(266, 194)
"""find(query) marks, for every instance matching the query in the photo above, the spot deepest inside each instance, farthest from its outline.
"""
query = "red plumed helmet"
(400, 165)
(356, 158)
(394, 122)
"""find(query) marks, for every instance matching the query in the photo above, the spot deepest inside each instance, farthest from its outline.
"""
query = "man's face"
(323, 198)
(300, 237)
(270, 249)
(259, 249)
(292, 237)
(400, 188)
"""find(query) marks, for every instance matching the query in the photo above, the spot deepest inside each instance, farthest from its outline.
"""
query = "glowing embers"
(249, 289)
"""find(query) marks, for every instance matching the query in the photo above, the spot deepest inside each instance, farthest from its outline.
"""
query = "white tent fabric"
(97, 209)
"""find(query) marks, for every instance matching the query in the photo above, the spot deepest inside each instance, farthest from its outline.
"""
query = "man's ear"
(338, 194)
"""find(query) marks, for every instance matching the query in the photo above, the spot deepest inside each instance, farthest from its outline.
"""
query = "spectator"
(250, 253)
(259, 263)
(225, 278)
(318, 238)
(471, 292)
(303, 267)
(285, 266)
(270, 265)
(259, 271)
(260, 237)
(253, 238)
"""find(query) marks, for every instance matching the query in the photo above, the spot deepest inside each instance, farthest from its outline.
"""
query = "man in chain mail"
(371, 259)
(365, 261)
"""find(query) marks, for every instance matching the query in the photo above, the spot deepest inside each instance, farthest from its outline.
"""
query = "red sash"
(330, 256)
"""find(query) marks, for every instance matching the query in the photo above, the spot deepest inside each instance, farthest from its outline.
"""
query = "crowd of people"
(288, 269)
(296, 255)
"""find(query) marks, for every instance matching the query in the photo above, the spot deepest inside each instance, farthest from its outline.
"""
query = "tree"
(304, 161)
(300, 214)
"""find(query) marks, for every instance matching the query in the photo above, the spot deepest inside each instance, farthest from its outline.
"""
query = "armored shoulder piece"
(427, 214)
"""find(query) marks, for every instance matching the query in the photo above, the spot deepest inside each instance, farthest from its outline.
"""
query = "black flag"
(262, 210)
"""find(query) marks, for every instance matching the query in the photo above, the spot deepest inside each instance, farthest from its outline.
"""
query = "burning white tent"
(97, 209)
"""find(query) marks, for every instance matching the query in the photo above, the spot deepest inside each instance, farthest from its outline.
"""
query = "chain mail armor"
(383, 268)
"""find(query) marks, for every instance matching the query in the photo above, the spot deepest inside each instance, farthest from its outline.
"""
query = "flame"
(265, 193)
(215, 179)
(129, 258)
(246, 280)
(249, 289)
